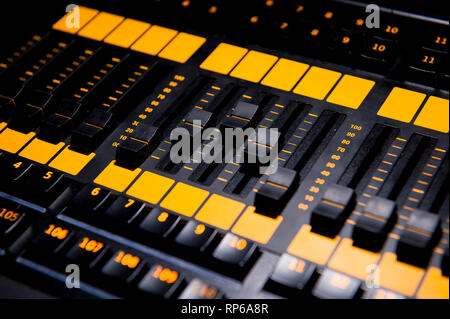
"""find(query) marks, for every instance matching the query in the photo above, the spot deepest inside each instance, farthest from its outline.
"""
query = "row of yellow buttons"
(402, 105)
(129, 33)
(350, 91)
(392, 274)
(283, 74)
(39, 151)
(215, 210)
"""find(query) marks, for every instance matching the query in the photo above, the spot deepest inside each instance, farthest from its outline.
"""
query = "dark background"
(18, 17)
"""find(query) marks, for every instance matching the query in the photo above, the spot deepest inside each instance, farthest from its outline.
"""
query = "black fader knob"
(333, 209)
(274, 194)
(373, 226)
(420, 236)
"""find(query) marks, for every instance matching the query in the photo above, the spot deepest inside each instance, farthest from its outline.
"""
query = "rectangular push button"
(182, 47)
(317, 83)
(223, 58)
(434, 114)
(12, 141)
(100, 26)
(254, 66)
(401, 104)
(41, 151)
(68, 23)
(220, 211)
(116, 177)
(150, 187)
(154, 40)
(127, 32)
(70, 161)
(256, 227)
(285, 74)
(350, 91)
(184, 199)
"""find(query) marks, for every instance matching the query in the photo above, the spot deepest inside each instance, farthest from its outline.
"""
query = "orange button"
(74, 20)
(127, 32)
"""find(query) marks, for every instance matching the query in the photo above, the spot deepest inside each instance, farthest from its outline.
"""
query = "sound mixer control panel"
(360, 189)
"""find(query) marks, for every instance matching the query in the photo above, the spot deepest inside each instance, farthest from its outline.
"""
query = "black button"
(195, 235)
(124, 209)
(420, 236)
(9, 218)
(12, 168)
(274, 194)
(378, 55)
(373, 226)
(334, 285)
(292, 272)
(333, 209)
(197, 289)
(85, 251)
(86, 137)
(159, 222)
(161, 281)
(52, 238)
(90, 197)
(31, 106)
(234, 250)
(122, 265)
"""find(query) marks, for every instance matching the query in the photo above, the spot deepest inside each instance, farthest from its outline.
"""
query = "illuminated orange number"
(238, 243)
(356, 127)
(200, 229)
(341, 149)
(56, 232)
(165, 274)
(18, 164)
(163, 217)
(379, 48)
(320, 181)
(296, 265)
(309, 198)
(126, 260)
(95, 191)
(393, 30)
(440, 40)
(303, 206)
(9, 215)
(346, 142)
(129, 203)
(48, 175)
(90, 245)
(340, 281)
(335, 157)
(314, 189)
(330, 165)
(428, 59)
(325, 173)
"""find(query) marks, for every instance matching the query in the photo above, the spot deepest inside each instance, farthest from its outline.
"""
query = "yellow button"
(184, 199)
(127, 32)
(220, 211)
(255, 226)
(434, 114)
(223, 58)
(99, 27)
(150, 187)
(401, 104)
(71, 162)
(254, 66)
(182, 47)
(399, 276)
(12, 141)
(285, 74)
(434, 286)
(317, 83)
(154, 40)
(350, 91)
(116, 177)
(353, 260)
(312, 246)
(40, 151)
(74, 20)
